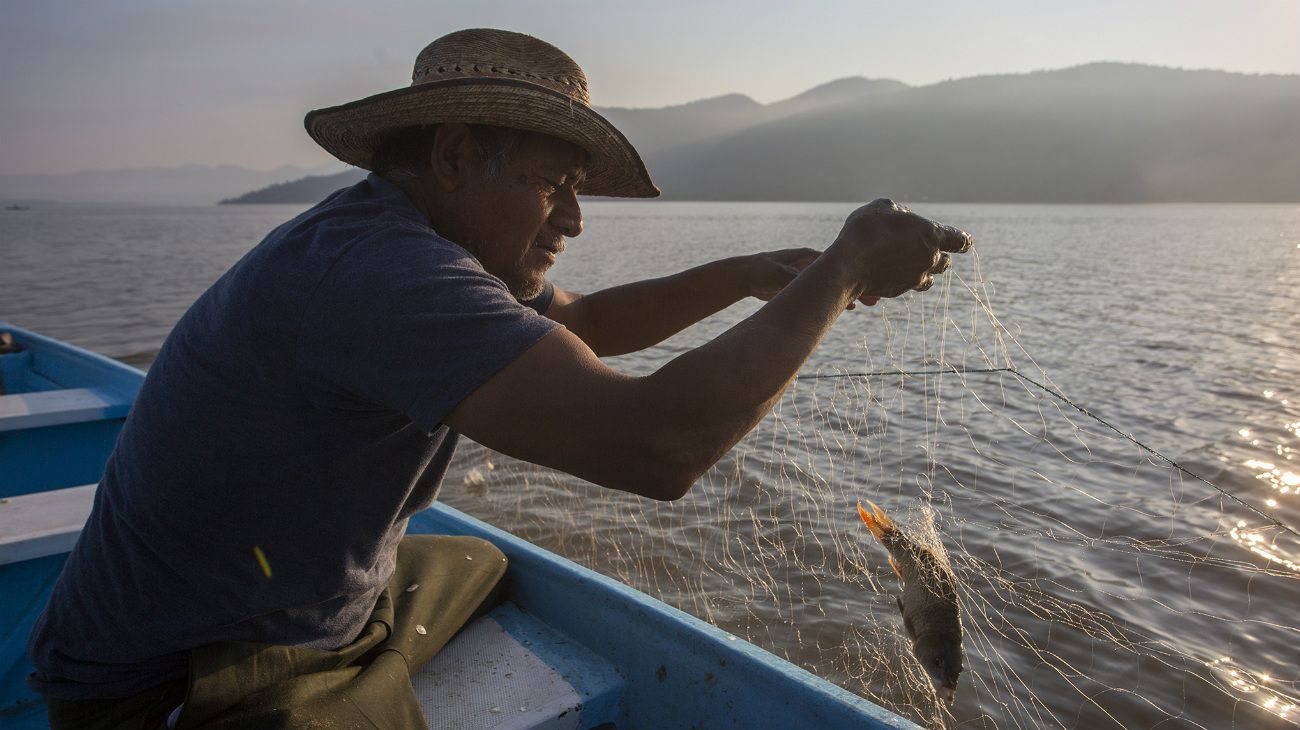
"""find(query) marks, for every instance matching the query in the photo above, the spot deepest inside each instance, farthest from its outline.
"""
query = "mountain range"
(1091, 134)
(1098, 133)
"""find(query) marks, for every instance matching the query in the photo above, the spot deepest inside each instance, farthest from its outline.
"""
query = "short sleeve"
(409, 322)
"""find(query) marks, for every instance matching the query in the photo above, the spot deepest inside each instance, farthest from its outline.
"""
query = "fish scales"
(929, 604)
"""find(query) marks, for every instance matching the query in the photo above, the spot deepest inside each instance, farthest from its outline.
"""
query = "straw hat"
(485, 76)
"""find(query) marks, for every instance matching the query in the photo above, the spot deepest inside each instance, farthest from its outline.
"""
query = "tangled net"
(1101, 584)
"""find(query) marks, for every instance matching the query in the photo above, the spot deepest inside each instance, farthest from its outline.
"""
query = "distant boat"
(569, 648)
(18, 207)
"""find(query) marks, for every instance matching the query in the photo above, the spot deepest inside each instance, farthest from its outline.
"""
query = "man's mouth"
(555, 246)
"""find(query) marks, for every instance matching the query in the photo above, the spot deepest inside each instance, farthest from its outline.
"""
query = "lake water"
(1101, 586)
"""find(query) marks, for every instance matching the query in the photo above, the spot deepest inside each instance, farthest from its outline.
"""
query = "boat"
(568, 648)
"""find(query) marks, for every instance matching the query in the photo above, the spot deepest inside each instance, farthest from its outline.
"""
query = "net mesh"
(1100, 584)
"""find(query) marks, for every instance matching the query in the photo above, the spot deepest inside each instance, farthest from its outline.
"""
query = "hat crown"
(500, 54)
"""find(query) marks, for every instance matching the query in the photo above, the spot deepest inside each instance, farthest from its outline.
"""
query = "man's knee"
(470, 549)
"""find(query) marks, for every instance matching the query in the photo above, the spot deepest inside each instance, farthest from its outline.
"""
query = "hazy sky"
(135, 83)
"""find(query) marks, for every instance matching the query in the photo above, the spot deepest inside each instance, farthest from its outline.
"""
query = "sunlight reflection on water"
(1259, 687)
(1253, 539)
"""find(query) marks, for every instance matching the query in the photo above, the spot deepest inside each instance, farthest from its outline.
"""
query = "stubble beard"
(525, 285)
(526, 282)
(522, 280)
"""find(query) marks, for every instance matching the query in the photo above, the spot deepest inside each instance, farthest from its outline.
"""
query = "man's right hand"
(895, 249)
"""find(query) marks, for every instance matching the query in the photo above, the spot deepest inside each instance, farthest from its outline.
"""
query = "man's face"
(516, 222)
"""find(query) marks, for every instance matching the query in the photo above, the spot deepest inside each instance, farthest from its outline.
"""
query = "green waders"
(439, 584)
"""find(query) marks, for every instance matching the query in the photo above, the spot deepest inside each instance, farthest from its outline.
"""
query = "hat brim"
(353, 131)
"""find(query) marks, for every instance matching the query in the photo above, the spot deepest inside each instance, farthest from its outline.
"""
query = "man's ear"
(454, 158)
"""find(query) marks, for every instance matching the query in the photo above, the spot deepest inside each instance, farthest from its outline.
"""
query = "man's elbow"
(661, 488)
(671, 470)
(670, 489)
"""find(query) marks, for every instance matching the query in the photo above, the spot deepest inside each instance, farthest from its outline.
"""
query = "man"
(245, 565)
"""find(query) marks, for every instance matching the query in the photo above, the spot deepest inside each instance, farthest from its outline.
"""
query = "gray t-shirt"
(291, 424)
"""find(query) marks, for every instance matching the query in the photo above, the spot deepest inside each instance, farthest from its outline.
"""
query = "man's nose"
(567, 216)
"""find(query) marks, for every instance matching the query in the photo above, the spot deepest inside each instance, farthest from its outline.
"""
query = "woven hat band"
(472, 54)
(577, 91)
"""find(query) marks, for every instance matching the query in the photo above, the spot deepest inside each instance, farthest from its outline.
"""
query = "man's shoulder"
(370, 224)
(371, 206)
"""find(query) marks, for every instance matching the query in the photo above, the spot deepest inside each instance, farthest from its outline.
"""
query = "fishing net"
(1103, 581)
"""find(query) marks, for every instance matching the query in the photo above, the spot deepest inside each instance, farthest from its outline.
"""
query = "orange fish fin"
(894, 564)
(885, 523)
(872, 523)
(877, 521)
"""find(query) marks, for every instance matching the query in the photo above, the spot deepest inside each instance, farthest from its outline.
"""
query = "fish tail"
(877, 521)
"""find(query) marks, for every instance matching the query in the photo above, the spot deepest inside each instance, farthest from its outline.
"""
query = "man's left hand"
(771, 271)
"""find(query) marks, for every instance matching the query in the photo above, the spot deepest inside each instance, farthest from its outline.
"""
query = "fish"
(931, 611)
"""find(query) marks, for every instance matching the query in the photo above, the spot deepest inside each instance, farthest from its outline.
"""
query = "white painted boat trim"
(45, 523)
(57, 407)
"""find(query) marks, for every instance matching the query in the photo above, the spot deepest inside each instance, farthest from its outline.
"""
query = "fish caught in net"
(1101, 584)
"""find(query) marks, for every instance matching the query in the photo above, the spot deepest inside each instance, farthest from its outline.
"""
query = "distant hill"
(655, 130)
(853, 88)
(1104, 132)
(1091, 134)
(303, 190)
(180, 185)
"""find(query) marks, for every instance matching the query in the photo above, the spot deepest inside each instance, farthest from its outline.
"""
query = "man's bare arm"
(635, 316)
(559, 406)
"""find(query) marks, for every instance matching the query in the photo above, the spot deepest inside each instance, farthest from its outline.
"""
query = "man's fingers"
(908, 250)
(953, 239)
(942, 264)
